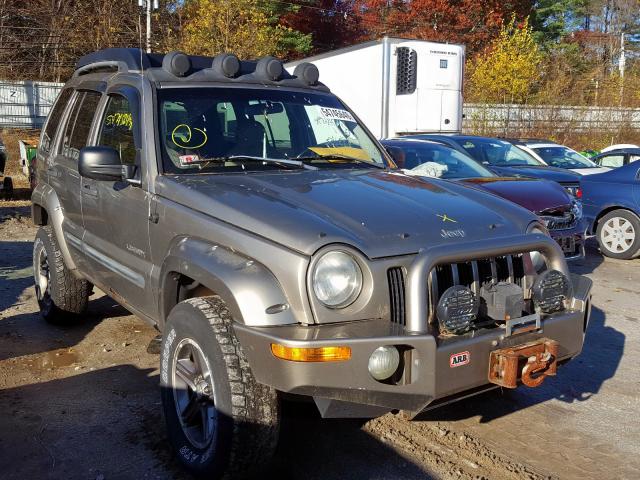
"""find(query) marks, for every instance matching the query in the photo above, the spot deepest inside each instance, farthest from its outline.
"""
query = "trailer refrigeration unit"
(397, 86)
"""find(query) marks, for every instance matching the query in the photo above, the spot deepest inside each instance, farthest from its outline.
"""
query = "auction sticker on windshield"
(336, 114)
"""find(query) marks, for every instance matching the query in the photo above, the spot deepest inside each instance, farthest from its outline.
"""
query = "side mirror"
(100, 163)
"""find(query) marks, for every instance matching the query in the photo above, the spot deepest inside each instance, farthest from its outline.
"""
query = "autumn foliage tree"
(508, 70)
(461, 21)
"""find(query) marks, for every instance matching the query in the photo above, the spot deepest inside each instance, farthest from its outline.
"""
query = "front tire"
(61, 296)
(618, 234)
(220, 421)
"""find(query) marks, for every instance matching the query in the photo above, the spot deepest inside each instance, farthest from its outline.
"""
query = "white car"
(560, 156)
(619, 146)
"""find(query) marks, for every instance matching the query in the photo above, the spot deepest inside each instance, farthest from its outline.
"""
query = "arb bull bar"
(345, 388)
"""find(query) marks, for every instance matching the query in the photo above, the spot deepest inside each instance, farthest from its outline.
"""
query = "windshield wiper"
(250, 158)
(338, 156)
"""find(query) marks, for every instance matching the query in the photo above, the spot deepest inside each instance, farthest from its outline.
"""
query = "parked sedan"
(612, 210)
(506, 160)
(560, 156)
(561, 214)
(617, 158)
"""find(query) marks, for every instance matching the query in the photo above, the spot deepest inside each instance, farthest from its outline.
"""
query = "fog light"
(550, 290)
(457, 308)
(384, 362)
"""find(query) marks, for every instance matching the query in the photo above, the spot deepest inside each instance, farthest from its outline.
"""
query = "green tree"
(244, 27)
(508, 69)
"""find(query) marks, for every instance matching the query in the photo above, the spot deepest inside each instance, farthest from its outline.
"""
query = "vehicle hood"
(591, 171)
(382, 213)
(539, 196)
(548, 173)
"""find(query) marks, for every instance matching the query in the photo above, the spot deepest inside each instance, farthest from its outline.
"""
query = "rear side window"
(612, 161)
(117, 129)
(54, 119)
(78, 125)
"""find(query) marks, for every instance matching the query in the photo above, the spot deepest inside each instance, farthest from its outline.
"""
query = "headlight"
(576, 209)
(337, 279)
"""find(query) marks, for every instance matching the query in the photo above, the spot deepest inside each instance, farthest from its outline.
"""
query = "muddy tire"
(61, 296)
(220, 421)
(618, 234)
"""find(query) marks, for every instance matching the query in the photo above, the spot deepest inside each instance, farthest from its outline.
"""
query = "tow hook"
(530, 362)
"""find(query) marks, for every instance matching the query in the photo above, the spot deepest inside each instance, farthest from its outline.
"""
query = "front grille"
(560, 222)
(395, 277)
(474, 274)
(407, 71)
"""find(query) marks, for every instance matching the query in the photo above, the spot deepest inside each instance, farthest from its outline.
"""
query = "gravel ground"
(83, 403)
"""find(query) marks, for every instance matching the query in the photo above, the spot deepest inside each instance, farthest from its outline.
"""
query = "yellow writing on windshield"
(119, 119)
(182, 135)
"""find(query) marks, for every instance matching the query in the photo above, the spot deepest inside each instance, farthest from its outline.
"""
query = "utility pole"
(621, 65)
(148, 5)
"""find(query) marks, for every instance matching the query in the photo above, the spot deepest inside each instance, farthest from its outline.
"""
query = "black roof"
(198, 68)
(138, 59)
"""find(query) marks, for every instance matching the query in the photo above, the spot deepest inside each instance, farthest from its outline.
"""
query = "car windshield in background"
(207, 130)
(497, 153)
(433, 160)
(563, 157)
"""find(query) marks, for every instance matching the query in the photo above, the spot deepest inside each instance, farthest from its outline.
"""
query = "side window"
(78, 125)
(612, 161)
(54, 119)
(117, 129)
(634, 158)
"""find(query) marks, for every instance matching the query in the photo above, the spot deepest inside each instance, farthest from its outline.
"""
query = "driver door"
(115, 214)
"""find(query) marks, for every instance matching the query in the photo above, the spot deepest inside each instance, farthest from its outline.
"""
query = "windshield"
(433, 160)
(563, 157)
(497, 153)
(205, 130)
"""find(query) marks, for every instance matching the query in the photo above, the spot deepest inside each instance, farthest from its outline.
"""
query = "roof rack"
(130, 58)
(176, 65)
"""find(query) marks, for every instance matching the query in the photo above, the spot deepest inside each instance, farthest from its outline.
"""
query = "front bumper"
(428, 374)
(571, 241)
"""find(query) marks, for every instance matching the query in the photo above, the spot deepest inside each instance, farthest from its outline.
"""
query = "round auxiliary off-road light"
(384, 362)
(550, 290)
(457, 308)
(270, 68)
(176, 63)
(307, 72)
(227, 64)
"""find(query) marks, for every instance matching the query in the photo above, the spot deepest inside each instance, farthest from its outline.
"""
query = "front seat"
(250, 138)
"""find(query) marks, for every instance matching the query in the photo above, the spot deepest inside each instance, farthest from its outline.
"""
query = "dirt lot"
(83, 403)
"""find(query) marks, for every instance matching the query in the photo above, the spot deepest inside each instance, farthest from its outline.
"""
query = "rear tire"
(618, 234)
(61, 296)
(220, 421)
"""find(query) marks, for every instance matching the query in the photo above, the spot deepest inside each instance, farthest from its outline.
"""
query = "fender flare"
(45, 197)
(247, 287)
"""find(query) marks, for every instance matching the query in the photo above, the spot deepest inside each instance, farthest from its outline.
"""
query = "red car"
(561, 214)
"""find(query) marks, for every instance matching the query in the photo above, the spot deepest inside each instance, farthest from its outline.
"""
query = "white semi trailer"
(397, 86)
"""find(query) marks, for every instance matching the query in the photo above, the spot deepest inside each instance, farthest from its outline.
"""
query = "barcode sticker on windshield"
(336, 114)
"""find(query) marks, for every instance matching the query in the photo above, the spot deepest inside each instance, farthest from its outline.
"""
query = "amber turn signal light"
(318, 354)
